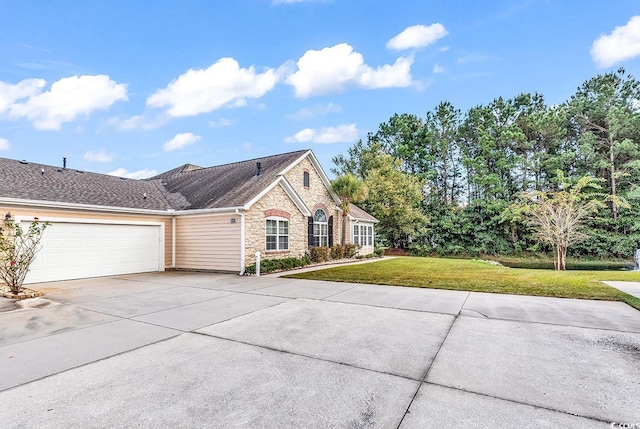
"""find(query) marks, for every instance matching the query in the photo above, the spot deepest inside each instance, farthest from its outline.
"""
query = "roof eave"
(78, 206)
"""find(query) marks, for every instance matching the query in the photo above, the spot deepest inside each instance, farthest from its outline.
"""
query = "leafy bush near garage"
(18, 249)
(319, 254)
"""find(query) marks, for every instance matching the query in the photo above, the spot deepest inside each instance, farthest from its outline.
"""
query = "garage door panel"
(80, 250)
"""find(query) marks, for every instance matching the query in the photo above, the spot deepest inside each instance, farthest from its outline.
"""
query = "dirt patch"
(25, 293)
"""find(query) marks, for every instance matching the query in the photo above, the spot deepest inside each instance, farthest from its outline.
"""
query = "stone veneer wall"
(316, 195)
(275, 203)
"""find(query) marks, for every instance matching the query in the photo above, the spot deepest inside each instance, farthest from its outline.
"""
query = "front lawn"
(478, 276)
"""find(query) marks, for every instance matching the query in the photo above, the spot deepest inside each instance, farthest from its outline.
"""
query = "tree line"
(442, 183)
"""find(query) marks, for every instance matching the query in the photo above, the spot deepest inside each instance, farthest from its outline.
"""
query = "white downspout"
(173, 242)
(242, 242)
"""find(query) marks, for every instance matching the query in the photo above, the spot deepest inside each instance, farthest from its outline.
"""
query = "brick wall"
(316, 195)
(277, 203)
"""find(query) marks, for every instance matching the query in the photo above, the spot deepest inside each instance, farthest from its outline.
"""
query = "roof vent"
(64, 162)
(42, 171)
(144, 195)
(23, 161)
(259, 166)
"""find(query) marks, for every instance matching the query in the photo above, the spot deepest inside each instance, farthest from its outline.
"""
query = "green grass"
(477, 276)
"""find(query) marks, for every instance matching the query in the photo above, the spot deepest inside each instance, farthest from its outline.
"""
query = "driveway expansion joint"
(435, 356)
(513, 401)
(288, 352)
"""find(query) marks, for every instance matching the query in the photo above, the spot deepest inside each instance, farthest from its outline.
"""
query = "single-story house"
(190, 218)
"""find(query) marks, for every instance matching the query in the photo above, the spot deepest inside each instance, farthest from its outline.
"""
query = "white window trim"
(278, 219)
(363, 239)
(320, 236)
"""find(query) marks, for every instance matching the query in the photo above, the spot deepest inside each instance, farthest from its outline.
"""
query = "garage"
(75, 249)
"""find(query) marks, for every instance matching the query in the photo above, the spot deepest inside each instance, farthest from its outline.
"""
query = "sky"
(137, 88)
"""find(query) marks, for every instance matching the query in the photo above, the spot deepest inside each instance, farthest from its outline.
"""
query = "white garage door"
(80, 250)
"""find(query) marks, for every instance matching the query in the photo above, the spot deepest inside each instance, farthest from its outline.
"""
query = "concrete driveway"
(211, 350)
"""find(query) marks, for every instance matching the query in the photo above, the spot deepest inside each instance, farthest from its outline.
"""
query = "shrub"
(278, 264)
(319, 254)
(350, 250)
(337, 252)
(378, 251)
(18, 249)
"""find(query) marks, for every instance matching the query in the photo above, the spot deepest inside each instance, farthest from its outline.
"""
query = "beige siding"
(208, 242)
(44, 213)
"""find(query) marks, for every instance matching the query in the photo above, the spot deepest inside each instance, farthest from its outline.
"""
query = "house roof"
(187, 187)
(32, 181)
(228, 185)
(357, 213)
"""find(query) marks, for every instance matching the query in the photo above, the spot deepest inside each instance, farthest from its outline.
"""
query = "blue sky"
(134, 88)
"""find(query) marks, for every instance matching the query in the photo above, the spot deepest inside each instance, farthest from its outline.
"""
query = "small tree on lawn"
(18, 249)
(350, 190)
(557, 217)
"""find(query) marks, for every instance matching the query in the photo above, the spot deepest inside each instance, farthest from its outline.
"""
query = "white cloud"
(622, 44)
(179, 141)
(140, 174)
(100, 156)
(444, 49)
(4, 144)
(438, 69)
(417, 36)
(67, 99)
(335, 68)
(388, 76)
(472, 58)
(139, 122)
(224, 83)
(10, 93)
(315, 111)
(220, 123)
(341, 134)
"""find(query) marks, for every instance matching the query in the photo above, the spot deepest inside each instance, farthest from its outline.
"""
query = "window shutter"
(330, 231)
(310, 231)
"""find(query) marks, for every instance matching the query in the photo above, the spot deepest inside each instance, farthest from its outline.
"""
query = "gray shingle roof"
(228, 185)
(183, 188)
(27, 181)
(358, 213)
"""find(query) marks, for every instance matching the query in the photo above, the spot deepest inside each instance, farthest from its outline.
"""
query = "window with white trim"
(277, 234)
(356, 234)
(320, 228)
(369, 236)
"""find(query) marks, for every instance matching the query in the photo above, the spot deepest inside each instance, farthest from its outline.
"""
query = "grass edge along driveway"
(478, 276)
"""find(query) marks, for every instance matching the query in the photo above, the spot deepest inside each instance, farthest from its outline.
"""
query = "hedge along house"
(191, 217)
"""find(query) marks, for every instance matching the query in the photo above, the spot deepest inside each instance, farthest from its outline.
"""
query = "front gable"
(318, 192)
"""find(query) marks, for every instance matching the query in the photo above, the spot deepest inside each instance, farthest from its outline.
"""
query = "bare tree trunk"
(560, 260)
(344, 228)
(612, 171)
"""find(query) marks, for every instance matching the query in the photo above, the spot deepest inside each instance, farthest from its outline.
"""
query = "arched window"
(320, 228)
(305, 179)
